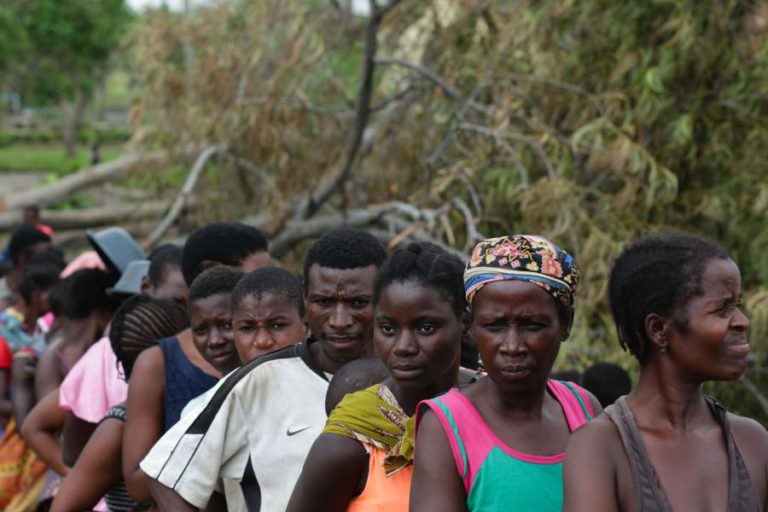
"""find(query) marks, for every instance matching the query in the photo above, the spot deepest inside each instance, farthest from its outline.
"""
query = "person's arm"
(330, 476)
(22, 388)
(74, 436)
(144, 425)
(48, 374)
(6, 407)
(41, 428)
(96, 471)
(436, 484)
(595, 489)
(168, 500)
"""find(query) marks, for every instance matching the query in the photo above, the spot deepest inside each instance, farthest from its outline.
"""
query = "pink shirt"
(94, 384)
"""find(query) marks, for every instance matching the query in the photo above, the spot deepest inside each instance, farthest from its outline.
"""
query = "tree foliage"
(586, 121)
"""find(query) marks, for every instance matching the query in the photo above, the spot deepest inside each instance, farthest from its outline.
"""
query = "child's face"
(264, 324)
(212, 334)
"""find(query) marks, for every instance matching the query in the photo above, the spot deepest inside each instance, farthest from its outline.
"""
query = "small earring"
(663, 348)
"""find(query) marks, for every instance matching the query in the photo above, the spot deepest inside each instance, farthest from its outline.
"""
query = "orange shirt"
(383, 493)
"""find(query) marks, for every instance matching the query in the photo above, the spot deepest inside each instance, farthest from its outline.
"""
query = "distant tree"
(68, 46)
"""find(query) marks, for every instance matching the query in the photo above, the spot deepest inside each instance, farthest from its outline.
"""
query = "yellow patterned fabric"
(22, 473)
(373, 416)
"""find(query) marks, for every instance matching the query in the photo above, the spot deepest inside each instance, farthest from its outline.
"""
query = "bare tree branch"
(362, 112)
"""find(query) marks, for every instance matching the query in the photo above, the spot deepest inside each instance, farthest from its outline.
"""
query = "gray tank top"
(651, 497)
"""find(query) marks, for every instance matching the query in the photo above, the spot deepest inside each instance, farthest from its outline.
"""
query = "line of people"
(219, 381)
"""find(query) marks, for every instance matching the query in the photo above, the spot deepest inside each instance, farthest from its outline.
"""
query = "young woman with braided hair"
(363, 459)
(136, 326)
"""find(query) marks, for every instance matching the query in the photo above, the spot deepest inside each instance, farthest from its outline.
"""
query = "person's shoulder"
(149, 361)
(748, 431)
(598, 435)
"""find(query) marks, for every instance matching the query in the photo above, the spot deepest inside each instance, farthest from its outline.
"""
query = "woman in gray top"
(676, 301)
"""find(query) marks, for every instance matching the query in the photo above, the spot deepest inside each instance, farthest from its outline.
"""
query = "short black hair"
(139, 323)
(219, 279)
(227, 243)
(657, 273)
(429, 265)
(161, 259)
(273, 280)
(33, 208)
(38, 277)
(344, 248)
(22, 241)
(85, 291)
(354, 376)
(607, 381)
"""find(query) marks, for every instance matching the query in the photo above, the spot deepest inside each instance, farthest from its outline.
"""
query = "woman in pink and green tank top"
(498, 444)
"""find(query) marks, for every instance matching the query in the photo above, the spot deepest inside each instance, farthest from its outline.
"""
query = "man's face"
(340, 311)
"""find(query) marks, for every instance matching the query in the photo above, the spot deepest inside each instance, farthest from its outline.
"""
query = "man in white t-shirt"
(250, 437)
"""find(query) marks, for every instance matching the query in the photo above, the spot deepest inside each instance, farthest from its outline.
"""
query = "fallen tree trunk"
(90, 176)
(93, 217)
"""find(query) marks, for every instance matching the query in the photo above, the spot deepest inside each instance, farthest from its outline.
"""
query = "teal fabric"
(507, 484)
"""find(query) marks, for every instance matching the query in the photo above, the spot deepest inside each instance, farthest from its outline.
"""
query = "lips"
(515, 372)
(343, 339)
(221, 355)
(740, 349)
(405, 371)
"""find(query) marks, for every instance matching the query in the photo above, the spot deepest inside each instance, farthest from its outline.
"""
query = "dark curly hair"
(273, 280)
(85, 291)
(344, 248)
(219, 279)
(227, 243)
(138, 325)
(660, 274)
(426, 264)
(161, 259)
(23, 240)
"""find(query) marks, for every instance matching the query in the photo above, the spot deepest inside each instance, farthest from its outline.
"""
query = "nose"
(216, 338)
(513, 343)
(741, 321)
(340, 317)
(263, 340)
(405, 344)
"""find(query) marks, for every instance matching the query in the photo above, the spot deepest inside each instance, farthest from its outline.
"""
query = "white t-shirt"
(253, 433)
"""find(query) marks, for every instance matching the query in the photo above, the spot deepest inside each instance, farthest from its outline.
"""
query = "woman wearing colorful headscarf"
(498, 444)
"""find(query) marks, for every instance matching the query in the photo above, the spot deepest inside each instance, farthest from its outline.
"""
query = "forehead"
(213, 305)
(412, 299)
(513, 296)
(266, 303)
(720, 277)
(350, 281)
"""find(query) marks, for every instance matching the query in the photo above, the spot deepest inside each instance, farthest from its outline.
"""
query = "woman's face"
(711, 344)
(417, 334)
(518, 333)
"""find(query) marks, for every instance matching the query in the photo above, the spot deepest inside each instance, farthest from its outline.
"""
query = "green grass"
(50, 158)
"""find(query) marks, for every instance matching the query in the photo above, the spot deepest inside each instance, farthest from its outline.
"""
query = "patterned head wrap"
(524, 258)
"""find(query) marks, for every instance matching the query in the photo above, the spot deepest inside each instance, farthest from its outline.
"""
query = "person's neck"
(329, 365)
(409, 396)
(524, 406)
(81, 333)
(673, 400)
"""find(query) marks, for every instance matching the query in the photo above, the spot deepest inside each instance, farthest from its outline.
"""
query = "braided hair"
(139, 323)
(660, 274)
(427, 264)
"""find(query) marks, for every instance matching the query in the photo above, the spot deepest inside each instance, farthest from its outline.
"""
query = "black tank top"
(651, 497)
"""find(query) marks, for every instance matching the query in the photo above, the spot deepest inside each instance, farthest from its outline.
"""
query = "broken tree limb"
(90, 176)
(181, 197)
(314, 202)
(121, 214)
